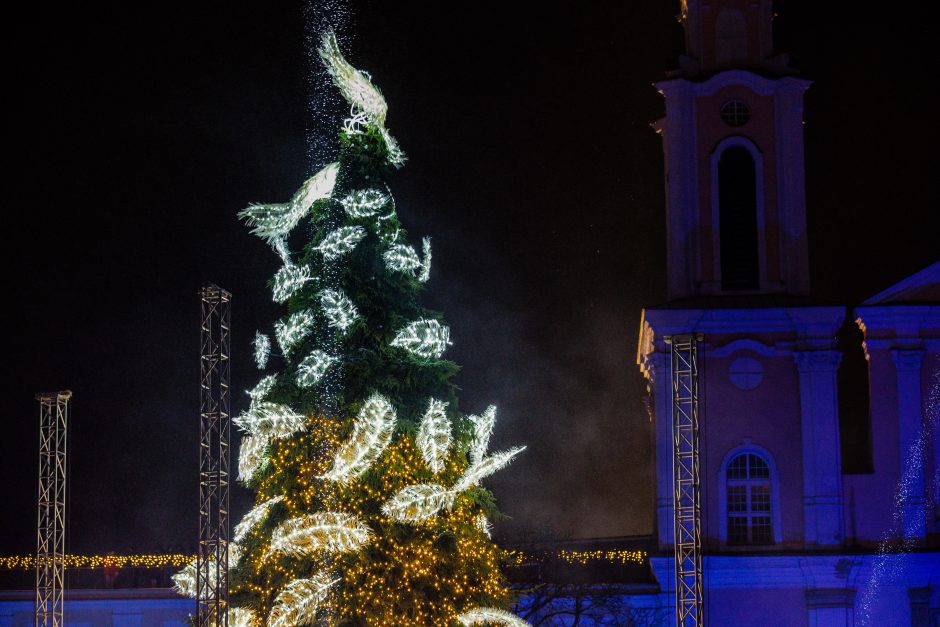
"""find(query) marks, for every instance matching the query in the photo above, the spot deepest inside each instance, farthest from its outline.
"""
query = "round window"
(735, 113)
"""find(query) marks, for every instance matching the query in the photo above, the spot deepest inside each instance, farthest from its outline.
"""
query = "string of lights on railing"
(179, 560)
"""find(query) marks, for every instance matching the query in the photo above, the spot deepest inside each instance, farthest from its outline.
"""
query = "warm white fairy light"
(339, 310)
(273, 222)
(292, 330)
(486, 467)
(298, 602)
(262, 349)
(339, 242)
(482, 430)
(401, 258)
(372, 432)
(251, 456)
(254, 517)
(329, 532)
(313, 367)
(288, 280)
(271, 420)
(490, 616)
(434, 435)
(424, 338)
(418, 502)
(363, 203)
(262, 388)
(425, 273)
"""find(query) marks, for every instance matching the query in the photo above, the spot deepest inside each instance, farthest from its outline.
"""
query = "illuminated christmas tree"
(369, 507)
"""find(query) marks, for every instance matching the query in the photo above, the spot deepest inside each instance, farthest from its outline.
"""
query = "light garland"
(330, 532)
(434, 435)
(272, 420)
(339, 310)
(273, 222)
(262, 388)
(291, 331)
(297, 603)
(424, 338)
(425, 273)
(288, 280)
(254, 517)
(490, 616)
(339, 242)
(482, 430)
(262, 349)
(313, 367)
(251, 456)
(417, 503)
(372, 432)
(363, 203)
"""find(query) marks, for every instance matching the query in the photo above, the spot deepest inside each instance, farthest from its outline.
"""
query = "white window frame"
(774, 480)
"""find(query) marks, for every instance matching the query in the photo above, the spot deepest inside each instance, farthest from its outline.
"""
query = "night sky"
(136, 135)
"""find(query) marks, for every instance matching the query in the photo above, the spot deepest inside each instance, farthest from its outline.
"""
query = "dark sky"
(136, 135)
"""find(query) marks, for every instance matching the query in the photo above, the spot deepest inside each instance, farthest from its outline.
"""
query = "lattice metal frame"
(50, 526)
(687, 493)
(214, 427)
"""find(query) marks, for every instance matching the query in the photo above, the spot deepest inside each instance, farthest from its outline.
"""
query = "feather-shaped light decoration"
(363, 203)
(434, 435)
(254, 517)
(425, 273)
(424, 338)
(272, 420)
(263, 388)
(330, 532)
(490, 616)
(185, 580)
(482, 430)
(339, 310)
(262, 349)
(251, 456)
(418, 502)
(271, 222)
(401, 258)
(291, 331)
(355, 86)
(483, 524)
(486, 467)
(297, 603)
(288, 280)
(340, 241)
(372, 432)
(241, 617)
(313, 367)
(279, 244)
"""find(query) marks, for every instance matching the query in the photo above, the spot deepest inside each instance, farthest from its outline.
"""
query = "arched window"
(730, 38)
(737, 220)
(748, 500)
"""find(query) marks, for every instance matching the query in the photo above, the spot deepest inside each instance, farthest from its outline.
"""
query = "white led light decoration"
(482, 430)
(424, 338)
(185, 580)
(329, 532)
(279, 244)
(263, 388)
(401, 258)
(270, 420)
(418, 502)
(297, 603)
(262, 349)
(355, 86)
(241, 617)
(251, 456)
(483, 525)
(271, 222)
(363, 203)
(288, 280)
(434, 435)
(490, 616)
(295, 328)
(486, 467)
(372, 432)
(425, 273)
(339, 310)
(339, 242)
(313, 367)
(257, 514)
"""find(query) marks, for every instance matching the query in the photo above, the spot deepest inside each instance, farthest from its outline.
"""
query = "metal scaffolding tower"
(214, 425)
(687, 528)
(50, 528)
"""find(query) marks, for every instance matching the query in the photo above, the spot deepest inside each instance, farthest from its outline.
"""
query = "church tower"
(733, 142)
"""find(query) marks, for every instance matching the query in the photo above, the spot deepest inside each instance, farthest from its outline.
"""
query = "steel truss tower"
(687, 527)
(50, 528)
(214, 426)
